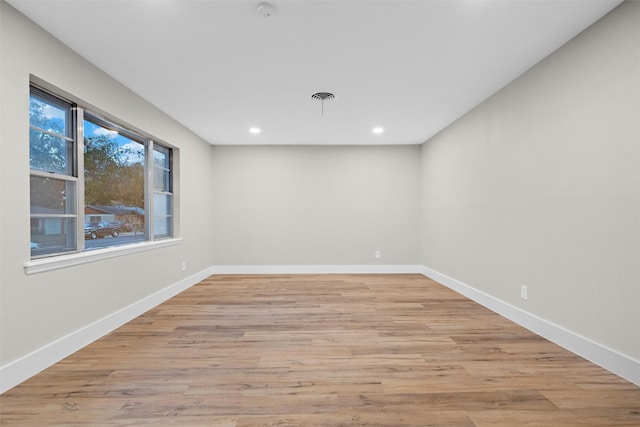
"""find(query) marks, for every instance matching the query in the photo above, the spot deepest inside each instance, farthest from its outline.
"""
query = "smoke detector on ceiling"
(265, 10)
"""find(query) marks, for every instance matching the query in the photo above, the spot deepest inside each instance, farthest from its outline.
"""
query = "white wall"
(302, 205)
(39, 309)
(540, 186)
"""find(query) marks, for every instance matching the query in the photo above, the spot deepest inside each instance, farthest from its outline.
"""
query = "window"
(54, 178)
(114, 175)
(94, 183)
(162, 192)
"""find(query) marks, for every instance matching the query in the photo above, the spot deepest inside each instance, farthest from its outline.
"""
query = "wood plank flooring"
(322, 350)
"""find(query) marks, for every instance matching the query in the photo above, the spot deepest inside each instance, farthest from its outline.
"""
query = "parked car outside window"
(96, 230)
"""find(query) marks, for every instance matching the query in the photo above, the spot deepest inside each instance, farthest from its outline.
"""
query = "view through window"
(53, 181)
(94, 183)
(114, 211)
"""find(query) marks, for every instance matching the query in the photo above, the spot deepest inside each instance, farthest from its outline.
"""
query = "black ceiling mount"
(321, 96)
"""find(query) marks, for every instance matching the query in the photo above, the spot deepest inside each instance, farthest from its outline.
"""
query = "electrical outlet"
(184, 265)
(378, 254)
(524, 292)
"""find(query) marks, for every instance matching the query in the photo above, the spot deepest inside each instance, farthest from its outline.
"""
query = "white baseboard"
(620, 364)
(19, 370)
(27, 366)
(317, 269)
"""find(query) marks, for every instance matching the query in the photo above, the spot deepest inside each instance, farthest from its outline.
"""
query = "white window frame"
(165, 191)
(56, 260)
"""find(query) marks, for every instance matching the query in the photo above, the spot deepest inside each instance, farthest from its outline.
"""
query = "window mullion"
(79, 136)
(54, 134)
(43, 174)
(39, 215)
(148, 190)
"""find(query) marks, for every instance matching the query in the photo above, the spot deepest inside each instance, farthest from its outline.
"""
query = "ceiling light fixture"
(377, 130)
(322, 96)
(254, 130)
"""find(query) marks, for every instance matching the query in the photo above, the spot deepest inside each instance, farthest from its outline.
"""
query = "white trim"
(21, 369)
(317, 269)
(609, 359)
(63, 261)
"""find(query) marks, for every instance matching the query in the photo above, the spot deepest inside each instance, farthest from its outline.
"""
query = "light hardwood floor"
(322, 350)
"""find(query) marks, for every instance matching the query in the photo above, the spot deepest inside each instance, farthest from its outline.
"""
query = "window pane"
(52, 196)
(50, 153)
(161, 204)
(47, 114)
(114, 187)
(161, 179)
(162, 226)
(52, 235)
(161, 168)
(161, 156)
(162, 215)
(50, 125)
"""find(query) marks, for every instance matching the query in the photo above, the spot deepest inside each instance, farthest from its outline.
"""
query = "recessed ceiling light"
(377, 130)
(254, 130)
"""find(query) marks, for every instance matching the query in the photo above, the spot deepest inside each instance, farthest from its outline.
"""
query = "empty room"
(320, 212)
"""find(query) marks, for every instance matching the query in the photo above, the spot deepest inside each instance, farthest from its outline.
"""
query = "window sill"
(63, 261)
